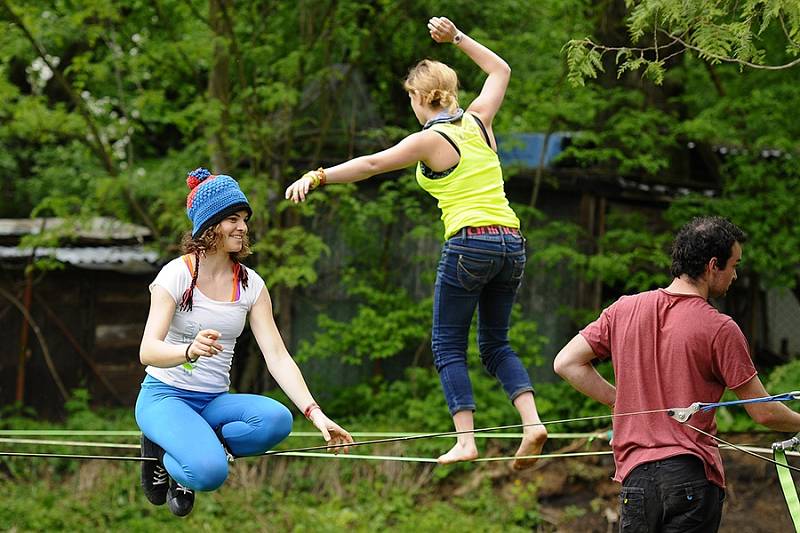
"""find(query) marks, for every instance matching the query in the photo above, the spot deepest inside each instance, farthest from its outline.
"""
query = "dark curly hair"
(700, 240)
(206, 243)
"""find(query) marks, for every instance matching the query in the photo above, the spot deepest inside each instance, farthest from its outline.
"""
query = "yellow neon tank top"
(472, 194)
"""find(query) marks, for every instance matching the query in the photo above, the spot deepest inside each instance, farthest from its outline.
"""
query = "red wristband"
(309, 409)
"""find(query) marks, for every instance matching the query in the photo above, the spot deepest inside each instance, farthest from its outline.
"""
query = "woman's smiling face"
(232, 230)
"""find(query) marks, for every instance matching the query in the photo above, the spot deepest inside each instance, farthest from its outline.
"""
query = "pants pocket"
(473, 272)
(693, 506)
(517, 270)
(632, 510)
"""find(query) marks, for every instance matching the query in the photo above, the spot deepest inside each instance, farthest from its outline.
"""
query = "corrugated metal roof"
(127, 259)
(97, 228)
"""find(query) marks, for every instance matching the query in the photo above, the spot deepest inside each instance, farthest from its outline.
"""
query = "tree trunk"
(219, 88)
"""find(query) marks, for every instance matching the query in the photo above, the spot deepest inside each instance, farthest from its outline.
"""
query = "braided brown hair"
(206, 243)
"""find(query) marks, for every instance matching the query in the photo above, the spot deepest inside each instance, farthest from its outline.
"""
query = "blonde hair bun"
(435, 82)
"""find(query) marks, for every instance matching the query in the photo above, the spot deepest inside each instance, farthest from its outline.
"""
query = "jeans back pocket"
(473, 272)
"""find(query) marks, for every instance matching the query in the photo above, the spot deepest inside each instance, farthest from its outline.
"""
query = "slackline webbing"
(475, 431)
(740, 448)
(296, 434)
(433, 460)
(71, 456)
(318, 454)
(70, 443)
(787, 485)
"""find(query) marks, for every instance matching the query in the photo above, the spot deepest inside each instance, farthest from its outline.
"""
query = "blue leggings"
(183, 422)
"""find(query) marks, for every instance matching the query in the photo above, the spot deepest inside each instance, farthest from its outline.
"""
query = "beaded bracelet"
(323, 178)
(317, 177)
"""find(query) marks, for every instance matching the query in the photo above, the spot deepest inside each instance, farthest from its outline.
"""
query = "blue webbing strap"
(785, 397)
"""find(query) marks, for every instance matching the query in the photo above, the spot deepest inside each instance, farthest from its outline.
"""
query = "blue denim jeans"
(483, 271)
(671, 495)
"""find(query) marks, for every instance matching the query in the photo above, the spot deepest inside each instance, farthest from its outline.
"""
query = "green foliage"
(635, 138)
(583, 62)
(759, 197)
(717, 31)
(98, 499)
(291, 253)
(559, 401)
(386, 324)
(784, 379)
(144, 113)
(631, 255)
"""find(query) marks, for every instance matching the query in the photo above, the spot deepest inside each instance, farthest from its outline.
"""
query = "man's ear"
(713, 264)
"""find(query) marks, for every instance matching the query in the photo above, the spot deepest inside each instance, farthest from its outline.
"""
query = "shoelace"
(160, 476)
(183, 489)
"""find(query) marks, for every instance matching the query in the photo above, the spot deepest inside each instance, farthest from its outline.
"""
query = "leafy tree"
(105, 105)
(717, 31)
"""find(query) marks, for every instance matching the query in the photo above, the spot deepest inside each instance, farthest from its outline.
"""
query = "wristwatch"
(458, 37)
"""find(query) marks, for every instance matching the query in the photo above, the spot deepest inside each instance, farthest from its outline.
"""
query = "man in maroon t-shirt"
(671, 348)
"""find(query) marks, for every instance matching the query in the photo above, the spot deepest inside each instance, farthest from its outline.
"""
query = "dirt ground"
(577, 495)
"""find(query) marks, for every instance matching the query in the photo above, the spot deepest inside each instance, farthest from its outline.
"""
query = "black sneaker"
(155, 479)
(180, 500)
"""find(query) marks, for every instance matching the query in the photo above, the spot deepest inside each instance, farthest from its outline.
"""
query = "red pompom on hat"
(197, 176)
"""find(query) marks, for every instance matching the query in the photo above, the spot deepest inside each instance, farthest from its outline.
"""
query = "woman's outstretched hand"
(297, 191)
(442, 30)
(333, 434)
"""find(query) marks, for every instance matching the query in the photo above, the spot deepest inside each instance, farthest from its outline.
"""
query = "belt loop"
(463, 233)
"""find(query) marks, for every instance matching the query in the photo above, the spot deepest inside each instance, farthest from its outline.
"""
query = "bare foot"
(459, 452)
(532, 444)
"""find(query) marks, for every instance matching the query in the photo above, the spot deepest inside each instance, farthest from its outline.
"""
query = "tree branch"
(99, 146)
(732, 59)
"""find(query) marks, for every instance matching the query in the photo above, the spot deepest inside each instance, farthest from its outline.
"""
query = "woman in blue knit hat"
(198, 306)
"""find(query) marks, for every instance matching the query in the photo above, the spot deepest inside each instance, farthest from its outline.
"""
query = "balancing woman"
(199, 303)
(483, 258)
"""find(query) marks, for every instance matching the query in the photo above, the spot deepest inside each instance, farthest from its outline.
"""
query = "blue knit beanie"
(212, 198)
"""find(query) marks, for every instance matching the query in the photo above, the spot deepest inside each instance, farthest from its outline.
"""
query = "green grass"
(260, 495)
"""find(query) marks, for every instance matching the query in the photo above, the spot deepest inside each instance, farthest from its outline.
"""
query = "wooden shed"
(86, 316)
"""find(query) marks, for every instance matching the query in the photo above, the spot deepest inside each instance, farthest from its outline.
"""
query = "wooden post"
(23, 336)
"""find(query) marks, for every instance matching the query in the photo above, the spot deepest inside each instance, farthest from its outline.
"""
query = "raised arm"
(286, 373)
(488, 102)
(574, 364)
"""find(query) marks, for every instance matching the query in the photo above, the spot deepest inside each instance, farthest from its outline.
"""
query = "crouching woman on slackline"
(198, 306)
